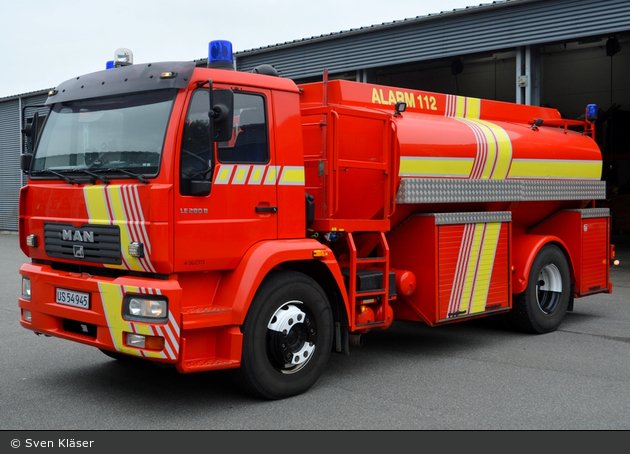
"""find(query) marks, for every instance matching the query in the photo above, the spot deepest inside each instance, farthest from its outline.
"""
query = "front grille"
(88, 243)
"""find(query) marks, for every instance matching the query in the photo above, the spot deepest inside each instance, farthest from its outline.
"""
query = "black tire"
(542, 306)
(287, 336)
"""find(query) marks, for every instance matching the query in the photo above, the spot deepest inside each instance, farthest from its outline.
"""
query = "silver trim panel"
(589, 213)
(438, 190)
(470, 218)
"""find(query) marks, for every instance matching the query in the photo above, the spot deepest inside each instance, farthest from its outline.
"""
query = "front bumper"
(102, 325)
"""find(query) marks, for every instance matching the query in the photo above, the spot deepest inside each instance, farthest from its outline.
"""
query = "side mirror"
(222, 114)
(25, 161)
(30, 131)
(199, 188)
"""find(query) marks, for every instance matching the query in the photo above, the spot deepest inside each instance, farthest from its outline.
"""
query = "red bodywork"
(344, 144)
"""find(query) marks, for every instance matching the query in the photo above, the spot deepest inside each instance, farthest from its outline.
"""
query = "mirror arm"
(211, 115)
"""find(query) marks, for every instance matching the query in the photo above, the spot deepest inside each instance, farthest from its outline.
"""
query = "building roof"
(489, 27)
(384, 25)
(26, 95)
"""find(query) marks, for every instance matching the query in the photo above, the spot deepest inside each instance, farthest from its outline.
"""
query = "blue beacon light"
(591, 112)
(220, 55)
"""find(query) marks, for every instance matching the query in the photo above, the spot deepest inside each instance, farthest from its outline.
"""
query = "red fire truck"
(213, 219)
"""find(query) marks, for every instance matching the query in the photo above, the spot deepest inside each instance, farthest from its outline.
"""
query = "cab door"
(215, 231)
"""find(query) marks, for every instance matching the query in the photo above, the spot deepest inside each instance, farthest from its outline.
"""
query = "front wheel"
(543, 305)
(287, 336)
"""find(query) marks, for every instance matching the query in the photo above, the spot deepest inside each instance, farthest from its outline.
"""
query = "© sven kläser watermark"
(58, 443)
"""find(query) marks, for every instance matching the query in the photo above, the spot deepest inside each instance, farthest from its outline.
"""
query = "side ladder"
(369, 282)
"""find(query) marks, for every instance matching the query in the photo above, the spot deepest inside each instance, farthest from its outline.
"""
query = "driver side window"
(249, 142)
(196, 145)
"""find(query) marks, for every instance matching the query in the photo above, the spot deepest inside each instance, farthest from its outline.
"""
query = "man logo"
(78, 252)
(84, 236)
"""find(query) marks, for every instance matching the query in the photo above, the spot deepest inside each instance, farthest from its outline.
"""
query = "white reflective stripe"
(272, 175)
(256, 177)
(223, 175)
(240, 176)
(173, 322)
(292, 175)
(167, 345)
(259, 174)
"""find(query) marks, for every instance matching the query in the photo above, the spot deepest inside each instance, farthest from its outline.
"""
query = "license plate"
(70, 298)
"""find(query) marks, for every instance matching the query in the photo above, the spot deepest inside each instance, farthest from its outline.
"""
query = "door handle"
(266, 209)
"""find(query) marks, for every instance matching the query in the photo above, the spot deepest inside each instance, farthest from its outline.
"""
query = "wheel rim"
(291, 337)
(549, 288)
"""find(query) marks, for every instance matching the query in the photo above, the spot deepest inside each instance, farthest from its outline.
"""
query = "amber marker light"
(147, 342)
(320, 253)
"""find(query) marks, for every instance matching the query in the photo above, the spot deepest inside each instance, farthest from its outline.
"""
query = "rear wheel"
(287, 336)
(543, 305)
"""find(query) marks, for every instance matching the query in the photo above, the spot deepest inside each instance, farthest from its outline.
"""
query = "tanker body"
(480, 200)
(209, 219)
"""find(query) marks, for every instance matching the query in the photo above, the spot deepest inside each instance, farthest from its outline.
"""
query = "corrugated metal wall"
(11, 178)
(10, 175)
(490, 27)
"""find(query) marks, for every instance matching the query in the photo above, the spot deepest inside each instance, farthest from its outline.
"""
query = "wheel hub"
(549, 288)
(291, 337)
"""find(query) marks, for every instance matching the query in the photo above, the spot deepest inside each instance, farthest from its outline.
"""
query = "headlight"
(26, 288)
(145, 308)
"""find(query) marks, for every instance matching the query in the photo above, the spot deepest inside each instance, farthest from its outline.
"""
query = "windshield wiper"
(92, 174)
(140, 177)
(60, 175)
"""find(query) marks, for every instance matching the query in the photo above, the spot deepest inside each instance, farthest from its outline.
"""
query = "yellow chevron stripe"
(499, 149)
(292, 175)
(435, 167)
(224, 174)
(550, 168)
(241, 175)
(484, 272)
(272, 175)
(470, 272)
(118, 209)
(96, 204)
(256, 175)
(111, 295)
(473, 108)
(499, 156)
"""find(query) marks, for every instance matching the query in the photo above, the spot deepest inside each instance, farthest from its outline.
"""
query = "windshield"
(111, 134)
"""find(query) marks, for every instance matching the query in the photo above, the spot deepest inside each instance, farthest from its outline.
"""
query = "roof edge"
(444, 15)
(26, 95)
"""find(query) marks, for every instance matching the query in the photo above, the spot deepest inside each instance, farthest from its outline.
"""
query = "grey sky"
(45, 42)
